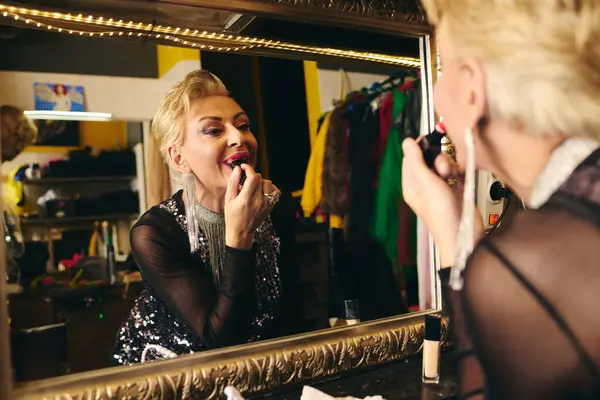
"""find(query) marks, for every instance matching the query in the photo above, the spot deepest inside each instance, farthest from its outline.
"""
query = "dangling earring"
(466, 228)
(188, 182)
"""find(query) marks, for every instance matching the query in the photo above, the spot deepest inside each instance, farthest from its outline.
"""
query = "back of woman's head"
(541, 59)
(169, 122)
(16, 131)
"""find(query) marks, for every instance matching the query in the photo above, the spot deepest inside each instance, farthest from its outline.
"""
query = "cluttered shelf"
(71, 221)
(77, 190)
(79, 180)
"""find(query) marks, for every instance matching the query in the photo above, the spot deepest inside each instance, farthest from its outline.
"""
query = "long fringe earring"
(466, 228)
(189, 198)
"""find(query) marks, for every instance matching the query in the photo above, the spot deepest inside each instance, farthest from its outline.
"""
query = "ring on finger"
(273, 197)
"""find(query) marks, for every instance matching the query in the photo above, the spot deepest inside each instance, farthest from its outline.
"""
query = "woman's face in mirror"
(216, 129)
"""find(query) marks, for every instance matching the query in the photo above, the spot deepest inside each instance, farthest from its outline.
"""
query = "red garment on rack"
(385, 118)
(385, 123)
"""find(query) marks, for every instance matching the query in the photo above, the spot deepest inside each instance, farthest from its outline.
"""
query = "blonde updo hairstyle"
(541, 59)
(168, 125)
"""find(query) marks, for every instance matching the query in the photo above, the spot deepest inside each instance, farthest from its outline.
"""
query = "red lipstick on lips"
(240, 155)
(238, 159)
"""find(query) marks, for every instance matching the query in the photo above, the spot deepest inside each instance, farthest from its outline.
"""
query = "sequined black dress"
(180, 308)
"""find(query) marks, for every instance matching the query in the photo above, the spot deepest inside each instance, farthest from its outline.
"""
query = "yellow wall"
(169, 56)
(107, 135)
(103, 135)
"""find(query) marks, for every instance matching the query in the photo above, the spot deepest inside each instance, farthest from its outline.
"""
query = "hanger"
(377, 89)
(387, 85)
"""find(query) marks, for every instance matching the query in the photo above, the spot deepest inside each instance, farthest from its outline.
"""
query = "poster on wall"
(58, 97)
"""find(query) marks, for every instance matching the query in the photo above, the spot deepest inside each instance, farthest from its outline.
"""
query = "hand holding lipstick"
(427, 193)
(431, 145)
(238, 163)
(246, 207)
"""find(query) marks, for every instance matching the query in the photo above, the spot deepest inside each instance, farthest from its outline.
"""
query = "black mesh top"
(183, 311)
(527, 322)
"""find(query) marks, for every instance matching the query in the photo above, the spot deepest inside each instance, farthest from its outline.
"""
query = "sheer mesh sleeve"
(219, 317)
(469, 371)
(530, 308)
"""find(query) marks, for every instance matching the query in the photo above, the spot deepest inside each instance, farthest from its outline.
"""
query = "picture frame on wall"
(61, 98)
(58, 97)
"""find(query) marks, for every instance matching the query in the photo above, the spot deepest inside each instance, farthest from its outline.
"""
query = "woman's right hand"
(245, 209)
(428, 194)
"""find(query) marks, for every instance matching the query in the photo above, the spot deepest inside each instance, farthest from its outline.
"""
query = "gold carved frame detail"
(263, 366)
(405, 17)
(251, 369)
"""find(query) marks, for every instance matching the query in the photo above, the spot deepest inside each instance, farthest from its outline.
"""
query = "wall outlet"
(489, 208)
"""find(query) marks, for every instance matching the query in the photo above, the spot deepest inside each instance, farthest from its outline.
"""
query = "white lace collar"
(563, 161)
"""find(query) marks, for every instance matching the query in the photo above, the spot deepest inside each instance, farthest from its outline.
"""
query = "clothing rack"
(386, 85)
(356, 249)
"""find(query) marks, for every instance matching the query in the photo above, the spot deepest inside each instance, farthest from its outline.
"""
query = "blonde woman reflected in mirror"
(520, 97)
(217, 256)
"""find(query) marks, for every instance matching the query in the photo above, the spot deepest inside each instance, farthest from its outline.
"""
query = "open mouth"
(237, 159)
(238, 162)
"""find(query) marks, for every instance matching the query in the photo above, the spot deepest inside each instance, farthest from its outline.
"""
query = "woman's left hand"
(434, 201)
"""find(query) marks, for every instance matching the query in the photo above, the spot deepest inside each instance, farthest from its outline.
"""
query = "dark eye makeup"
(212, 131)
(215, 127)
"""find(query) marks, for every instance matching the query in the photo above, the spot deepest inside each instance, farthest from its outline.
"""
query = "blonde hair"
(541, 59)
(16, 131)
(169, 122)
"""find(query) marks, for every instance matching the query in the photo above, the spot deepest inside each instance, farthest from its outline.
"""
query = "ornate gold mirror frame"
(265, 365)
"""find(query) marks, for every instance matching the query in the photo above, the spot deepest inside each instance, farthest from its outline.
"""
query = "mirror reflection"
(184, 210)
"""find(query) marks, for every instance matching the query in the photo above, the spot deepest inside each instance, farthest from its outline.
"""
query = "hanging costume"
(385, 225)
(312, 191)
(360, 172)
(335, 179)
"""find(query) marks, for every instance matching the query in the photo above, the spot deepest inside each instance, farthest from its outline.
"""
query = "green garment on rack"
(386, 221)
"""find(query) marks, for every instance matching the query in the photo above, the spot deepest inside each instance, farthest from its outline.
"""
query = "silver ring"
(273, 197)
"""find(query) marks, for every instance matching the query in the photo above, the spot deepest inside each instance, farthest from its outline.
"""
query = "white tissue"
(232, 393)
(310, 393)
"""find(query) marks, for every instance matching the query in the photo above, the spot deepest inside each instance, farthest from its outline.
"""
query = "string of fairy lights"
(95, 26)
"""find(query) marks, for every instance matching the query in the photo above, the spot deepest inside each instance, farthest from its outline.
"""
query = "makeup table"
(395, 381)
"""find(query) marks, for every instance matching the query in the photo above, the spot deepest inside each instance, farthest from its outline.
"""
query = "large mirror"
(319, 110)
